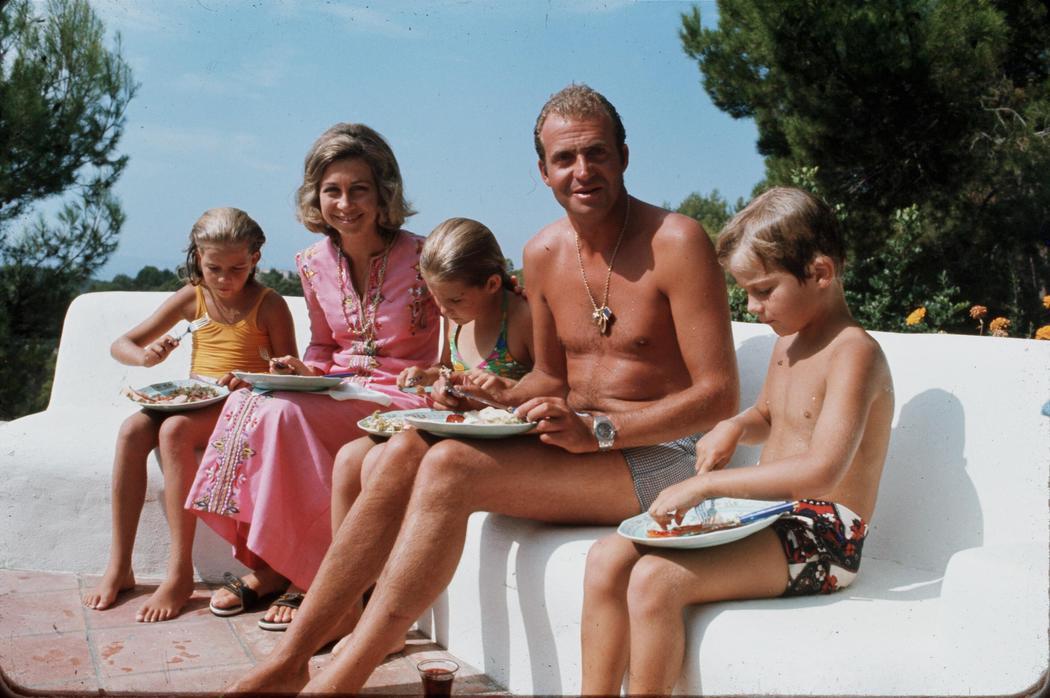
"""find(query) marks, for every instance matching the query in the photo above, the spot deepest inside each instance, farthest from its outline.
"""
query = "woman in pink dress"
(264, 483)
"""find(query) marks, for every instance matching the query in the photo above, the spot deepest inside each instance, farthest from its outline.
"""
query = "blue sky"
(232, 94)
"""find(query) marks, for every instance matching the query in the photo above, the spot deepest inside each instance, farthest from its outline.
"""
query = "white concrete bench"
(953, 587)
(952, 596)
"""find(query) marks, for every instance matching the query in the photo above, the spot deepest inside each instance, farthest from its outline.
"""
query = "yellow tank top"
(219, 348)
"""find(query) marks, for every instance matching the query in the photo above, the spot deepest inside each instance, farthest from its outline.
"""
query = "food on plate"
(455, 419)
(378, 421)
(690, 529)
(177, 396)
(491, 415)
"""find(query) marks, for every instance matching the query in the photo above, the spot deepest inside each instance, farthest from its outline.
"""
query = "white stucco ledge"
(952, 596)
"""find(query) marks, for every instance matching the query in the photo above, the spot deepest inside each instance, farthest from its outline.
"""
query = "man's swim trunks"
(654, 468)
(822, 542)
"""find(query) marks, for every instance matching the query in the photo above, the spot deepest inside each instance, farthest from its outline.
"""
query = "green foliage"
(286, 284)
(63, 97)
(711, 210)
(940, 105)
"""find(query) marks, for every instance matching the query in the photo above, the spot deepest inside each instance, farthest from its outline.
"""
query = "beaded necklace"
(366, 318)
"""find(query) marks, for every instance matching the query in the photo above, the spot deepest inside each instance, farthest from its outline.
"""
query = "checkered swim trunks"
(654, 468)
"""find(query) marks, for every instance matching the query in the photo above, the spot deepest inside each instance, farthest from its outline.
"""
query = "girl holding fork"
(235, 320)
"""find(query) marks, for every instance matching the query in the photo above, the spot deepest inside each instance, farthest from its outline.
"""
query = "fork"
(456, 391)
(264, 354)
(194, 326)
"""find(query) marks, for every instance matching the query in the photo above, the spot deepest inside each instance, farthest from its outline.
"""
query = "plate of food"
(726, 520)
(276, 381)
(386, 423)
(489, 423)
(177, 395)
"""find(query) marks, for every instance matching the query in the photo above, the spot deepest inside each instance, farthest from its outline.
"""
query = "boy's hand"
(155, 352)
(716, 447)
(673, 502)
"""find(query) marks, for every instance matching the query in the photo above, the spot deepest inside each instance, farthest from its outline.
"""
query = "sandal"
(248, 596)
(292, 599)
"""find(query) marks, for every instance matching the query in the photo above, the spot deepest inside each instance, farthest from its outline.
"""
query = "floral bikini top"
(499, 361)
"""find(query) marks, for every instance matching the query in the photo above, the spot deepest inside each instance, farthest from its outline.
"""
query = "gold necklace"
(366, 319)
(602, 314)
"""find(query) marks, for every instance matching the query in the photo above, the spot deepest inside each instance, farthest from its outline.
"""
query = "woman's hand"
(716, 447)
(558, 425)
(290, 365)
(156, 351)
(673, 502)
(416, 377)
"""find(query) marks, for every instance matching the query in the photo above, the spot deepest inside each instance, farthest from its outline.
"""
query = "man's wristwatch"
(604, 431)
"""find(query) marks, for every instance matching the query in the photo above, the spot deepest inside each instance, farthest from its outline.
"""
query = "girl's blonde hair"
(221, 226)
(463, 250)
(341, 142)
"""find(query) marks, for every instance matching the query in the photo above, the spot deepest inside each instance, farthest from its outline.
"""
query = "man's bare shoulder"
(547, 237)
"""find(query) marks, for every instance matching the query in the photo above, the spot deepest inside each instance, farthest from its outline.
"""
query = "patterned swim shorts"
(654, 468)
(822, 542)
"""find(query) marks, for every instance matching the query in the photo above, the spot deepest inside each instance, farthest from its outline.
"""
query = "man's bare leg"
(136, 438)
(518, 477)
(353, 562)
(347, 477)
(663, 584)
(604, 621)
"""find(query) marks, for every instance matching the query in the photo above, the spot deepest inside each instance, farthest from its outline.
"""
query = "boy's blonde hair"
(784, 227)
(463, 250)
(342, 142)
(221, 226)
(580, 102)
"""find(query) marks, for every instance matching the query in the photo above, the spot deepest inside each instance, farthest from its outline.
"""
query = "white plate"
(274, 381)
(399, 415)
(434, 422)
(635, 527)
(169, 386)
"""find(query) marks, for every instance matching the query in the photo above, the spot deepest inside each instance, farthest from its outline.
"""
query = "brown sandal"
(291, 599)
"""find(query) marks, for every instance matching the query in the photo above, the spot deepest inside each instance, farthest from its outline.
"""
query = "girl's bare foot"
(105, 592)
(263, 582)
(166, 602)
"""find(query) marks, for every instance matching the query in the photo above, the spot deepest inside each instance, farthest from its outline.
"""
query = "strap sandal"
(235, 585)
(291, 599)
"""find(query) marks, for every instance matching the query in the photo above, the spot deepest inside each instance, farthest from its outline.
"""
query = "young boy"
(824, 415)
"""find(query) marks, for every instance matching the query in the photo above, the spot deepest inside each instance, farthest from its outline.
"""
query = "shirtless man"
(634, 358)
(824, 416)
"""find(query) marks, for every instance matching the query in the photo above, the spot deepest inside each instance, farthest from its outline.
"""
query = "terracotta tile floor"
(50, 643)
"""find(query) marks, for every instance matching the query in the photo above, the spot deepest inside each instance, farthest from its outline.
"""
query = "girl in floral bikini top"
(466, 273)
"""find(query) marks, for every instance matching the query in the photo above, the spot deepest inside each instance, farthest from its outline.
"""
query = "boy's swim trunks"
(822, 542)
(654, 468)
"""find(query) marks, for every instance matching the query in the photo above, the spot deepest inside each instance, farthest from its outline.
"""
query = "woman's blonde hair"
(345, 141)
(221, 226)
(463, 250)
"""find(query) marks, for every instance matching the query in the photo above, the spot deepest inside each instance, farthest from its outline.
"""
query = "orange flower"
(999, 326)
(1043, 332)
(1046, 302)
(916, 316)
(978, 311)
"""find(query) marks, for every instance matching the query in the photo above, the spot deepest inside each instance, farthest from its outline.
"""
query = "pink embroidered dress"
(265, 481)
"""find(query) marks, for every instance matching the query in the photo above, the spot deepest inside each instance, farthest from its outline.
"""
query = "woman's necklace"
(366, 318)
(602, 314)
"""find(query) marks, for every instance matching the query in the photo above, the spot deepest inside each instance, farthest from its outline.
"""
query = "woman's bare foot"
(280, 614)
(166, 602)
(105, 592)
(263, 582)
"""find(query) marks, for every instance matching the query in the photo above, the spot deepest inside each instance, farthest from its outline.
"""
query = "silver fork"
(194, 326)
(264, 354)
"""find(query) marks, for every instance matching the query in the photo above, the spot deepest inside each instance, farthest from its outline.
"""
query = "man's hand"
(673, 502)
(558, 425)
(716, 447)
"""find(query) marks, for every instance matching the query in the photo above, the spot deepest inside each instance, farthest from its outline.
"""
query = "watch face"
(604, 430)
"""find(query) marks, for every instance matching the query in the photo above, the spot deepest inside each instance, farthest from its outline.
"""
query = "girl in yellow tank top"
(243, 317)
